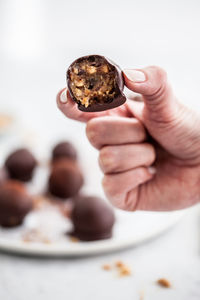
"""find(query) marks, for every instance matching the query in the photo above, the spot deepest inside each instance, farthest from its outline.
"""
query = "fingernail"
(152, 170)
(63, 96)
(135, 75)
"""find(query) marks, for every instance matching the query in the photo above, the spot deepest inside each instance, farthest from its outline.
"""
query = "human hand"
(158, 130)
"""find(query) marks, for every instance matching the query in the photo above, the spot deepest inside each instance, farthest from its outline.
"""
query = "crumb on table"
(124, 271)
(163, 282)
(106, 267)
(141, 295)
(122, 268)
(119, 264)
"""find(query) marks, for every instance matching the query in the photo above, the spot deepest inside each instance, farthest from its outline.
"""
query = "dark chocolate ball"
(65, 179)
(93, 218)
(15, 203)
(95, 83)
(20, 165)
(3, 175)
(64, 150)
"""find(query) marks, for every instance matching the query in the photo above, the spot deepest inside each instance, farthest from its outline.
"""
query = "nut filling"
(93, 81)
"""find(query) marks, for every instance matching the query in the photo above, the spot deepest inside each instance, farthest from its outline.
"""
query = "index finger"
(70, 110)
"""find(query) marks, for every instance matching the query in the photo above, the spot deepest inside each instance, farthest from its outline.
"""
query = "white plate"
(130, 229)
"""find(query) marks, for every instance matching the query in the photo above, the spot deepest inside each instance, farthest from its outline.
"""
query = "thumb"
(171, 124)
(151, 82)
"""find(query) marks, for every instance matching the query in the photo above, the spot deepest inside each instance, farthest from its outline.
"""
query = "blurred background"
(38, 41)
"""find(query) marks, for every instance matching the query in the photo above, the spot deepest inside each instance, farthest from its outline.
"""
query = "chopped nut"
(91, 69)
(106, 267)
(87, 92)
(124, 271)
(78, 92)
(34, 235)
(142, 295)
(79, 83)
(73, 239)
(164, 283)
(104, 69)
(75, 70)
(119, 264)
(5, 120)
(85, 101)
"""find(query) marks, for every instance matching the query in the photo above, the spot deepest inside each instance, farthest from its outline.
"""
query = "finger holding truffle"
(113, 159)
(111, 130)
(70, 110)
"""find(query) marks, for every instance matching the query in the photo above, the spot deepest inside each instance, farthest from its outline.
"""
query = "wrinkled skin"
(157, 131)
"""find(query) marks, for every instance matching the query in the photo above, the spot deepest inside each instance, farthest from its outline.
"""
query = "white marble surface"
(175, 256)
(38, 39)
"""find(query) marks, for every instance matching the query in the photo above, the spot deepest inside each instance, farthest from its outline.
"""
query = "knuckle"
(116, 197)
(141, 173)
(107, 158)
(106, 183)
(108, 186)
(139, 130)
(157, 88)
(93, 132)
(151, 154)
(160, 72)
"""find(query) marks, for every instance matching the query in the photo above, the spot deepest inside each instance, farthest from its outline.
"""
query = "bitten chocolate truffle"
(65, 179)
(15, 203)
(20, 165)
(95, 83)
(64, 150)
(93, 219)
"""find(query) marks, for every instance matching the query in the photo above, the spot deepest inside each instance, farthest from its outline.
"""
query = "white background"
(38, 40)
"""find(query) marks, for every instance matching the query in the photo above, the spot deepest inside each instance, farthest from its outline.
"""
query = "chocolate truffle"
(65, 179)
(64, 150)
(20, 165)
(3, 175)
(93, 219)
(95, 83)
(15, 203)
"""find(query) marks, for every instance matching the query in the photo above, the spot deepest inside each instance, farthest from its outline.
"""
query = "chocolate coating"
(64, 150)
(93, 219)
(95, 83)
(65, 179)
(15, 203)
(3, 175)
(21, 164)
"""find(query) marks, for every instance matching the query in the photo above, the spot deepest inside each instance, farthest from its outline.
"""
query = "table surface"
(39, 39)
(174, 256)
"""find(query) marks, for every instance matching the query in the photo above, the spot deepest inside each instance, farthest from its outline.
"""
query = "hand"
(157, 130)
